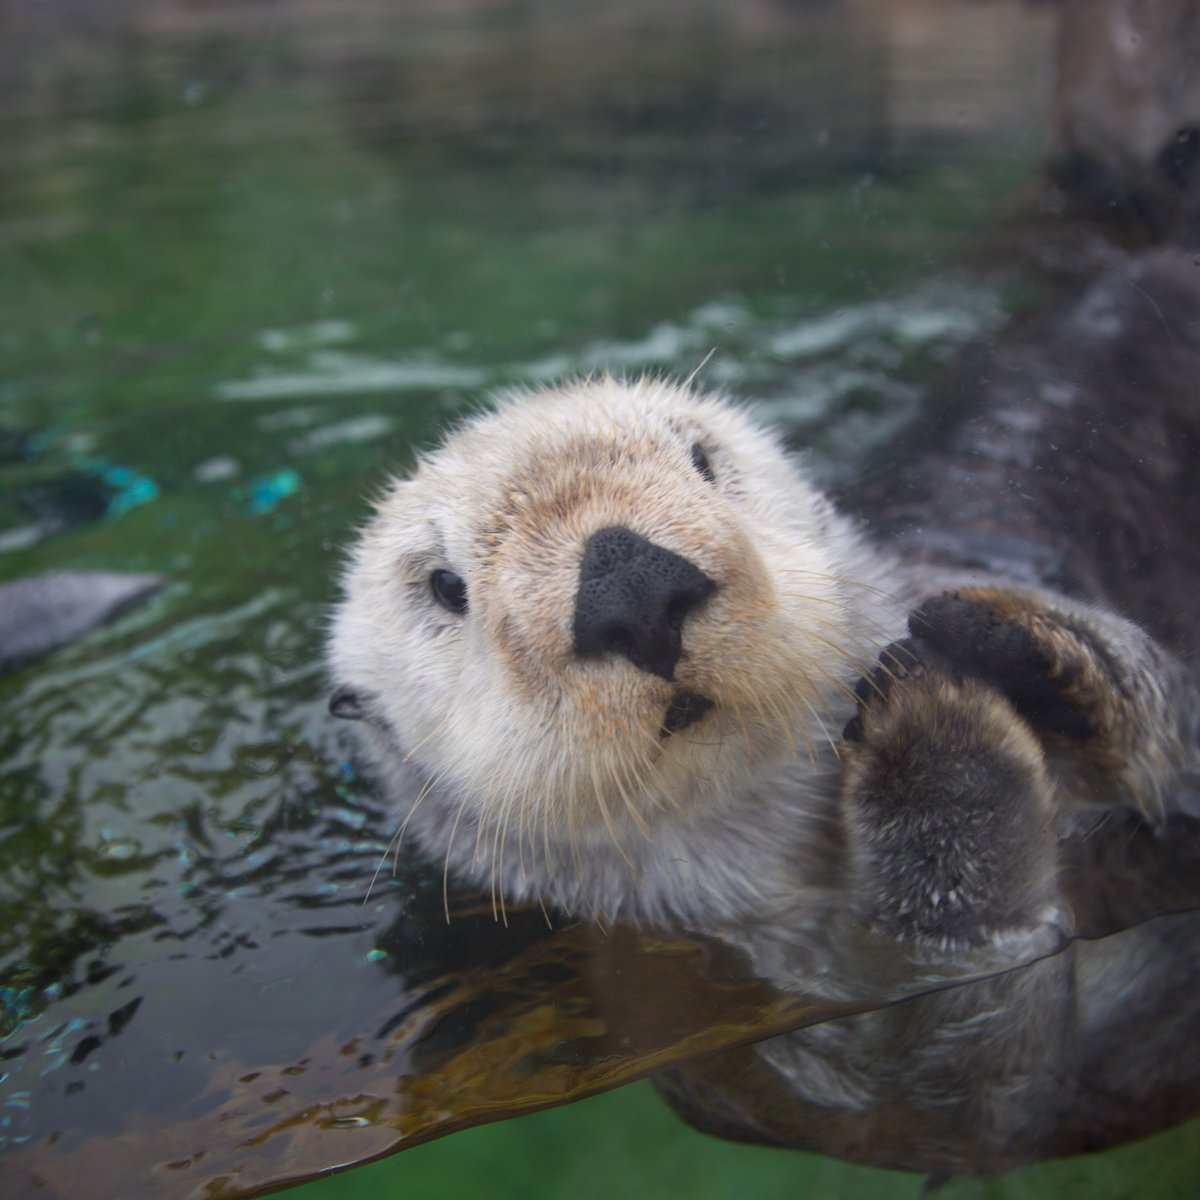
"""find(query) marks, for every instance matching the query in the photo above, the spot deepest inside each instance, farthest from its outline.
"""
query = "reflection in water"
(252, 252)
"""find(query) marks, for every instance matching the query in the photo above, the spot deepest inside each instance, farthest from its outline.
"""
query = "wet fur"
(1004, 623)
(544, 774)
(987, 727)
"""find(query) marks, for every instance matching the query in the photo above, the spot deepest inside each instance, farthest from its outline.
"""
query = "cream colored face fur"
(533, 760)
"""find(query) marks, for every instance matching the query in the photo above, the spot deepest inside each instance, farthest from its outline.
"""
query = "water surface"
(254, 255)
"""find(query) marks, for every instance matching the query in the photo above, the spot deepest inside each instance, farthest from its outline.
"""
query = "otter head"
(594, 617)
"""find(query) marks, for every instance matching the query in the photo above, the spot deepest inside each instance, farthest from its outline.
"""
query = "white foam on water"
(356, 429)
(804, 368)
(336, 373)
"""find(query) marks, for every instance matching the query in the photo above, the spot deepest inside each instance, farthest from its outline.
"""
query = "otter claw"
(907, 658)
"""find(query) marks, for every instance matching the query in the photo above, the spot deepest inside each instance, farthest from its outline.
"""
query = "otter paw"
(896, 661)
(1115, 712)
(947, 804)
(1057, 675)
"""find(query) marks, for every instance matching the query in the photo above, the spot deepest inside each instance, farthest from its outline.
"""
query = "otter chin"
(593, 625)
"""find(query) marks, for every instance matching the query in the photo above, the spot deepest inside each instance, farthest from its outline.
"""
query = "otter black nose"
(633, 598)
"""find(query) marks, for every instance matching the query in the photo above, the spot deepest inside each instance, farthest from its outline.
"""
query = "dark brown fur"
(1062, 458)
(1067, 455)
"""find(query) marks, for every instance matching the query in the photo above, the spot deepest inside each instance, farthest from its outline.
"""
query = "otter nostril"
(633, 600)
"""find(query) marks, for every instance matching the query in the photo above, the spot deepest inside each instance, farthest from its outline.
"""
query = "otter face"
(597, 612)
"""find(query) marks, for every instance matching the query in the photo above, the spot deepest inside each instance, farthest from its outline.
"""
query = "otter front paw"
(1106, 701)
(1059, 677)
(948, 804)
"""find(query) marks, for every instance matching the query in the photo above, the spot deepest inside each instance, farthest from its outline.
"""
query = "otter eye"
(701, 463)
(449, 590)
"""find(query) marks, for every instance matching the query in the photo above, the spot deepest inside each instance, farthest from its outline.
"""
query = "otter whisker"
(426, 788)
(392, 841)
(495, 826)
(527, 870)
(428, 737)
(853, 581)
(687, 383)
(598, 793)
(835, 683)
(841, 626)
(821, 600)
(733, 702)
(498, 856)
(573, 813)
(625, 789)
(498, 822)
(446, 864)
(397, 838)
(629, 772)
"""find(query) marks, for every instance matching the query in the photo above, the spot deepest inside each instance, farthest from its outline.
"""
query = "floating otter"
(615, 653)
(605, 641)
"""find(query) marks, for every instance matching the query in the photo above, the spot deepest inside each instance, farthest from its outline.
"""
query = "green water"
(249, 262)
(627, 1142)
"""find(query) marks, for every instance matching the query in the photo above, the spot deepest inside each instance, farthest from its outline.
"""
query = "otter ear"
(347, 704)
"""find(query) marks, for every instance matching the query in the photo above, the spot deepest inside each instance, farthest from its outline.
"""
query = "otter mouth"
(684, 710)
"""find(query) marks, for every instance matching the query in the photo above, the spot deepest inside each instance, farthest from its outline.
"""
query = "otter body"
(616, 654)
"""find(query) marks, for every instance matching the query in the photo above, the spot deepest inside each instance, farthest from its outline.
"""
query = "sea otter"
(617, 654)
(606, 622)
